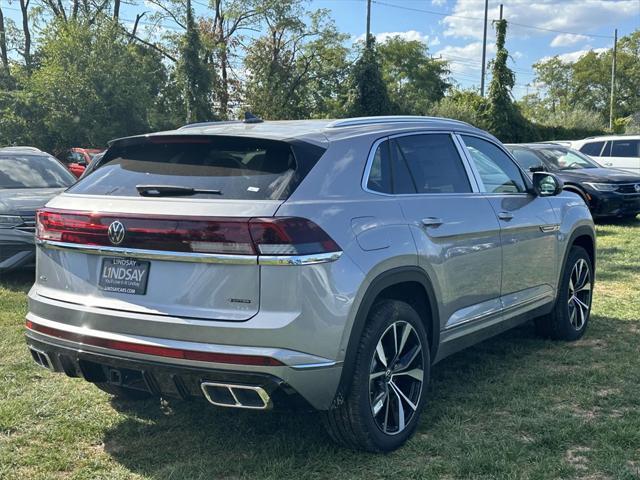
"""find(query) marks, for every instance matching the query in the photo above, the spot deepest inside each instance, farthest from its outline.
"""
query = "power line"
(453, 15)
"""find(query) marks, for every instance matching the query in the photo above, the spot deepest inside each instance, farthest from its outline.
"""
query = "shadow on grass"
(195, 439)
(18, 280)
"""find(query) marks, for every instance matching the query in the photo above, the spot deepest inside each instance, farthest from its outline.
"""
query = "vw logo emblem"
(116, 232)
(637, 187)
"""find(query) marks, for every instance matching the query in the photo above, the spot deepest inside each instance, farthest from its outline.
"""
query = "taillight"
(289, 236)
(238, 236)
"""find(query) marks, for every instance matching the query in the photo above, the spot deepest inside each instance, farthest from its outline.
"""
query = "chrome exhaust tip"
(41, 358)
(236, 396)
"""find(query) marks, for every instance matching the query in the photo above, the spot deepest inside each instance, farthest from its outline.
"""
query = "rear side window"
(625, 148)
(434, 163)
(418, 164)
(234, 167)
(592, 148)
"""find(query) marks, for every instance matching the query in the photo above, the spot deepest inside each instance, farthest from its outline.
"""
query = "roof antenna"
(251, 118)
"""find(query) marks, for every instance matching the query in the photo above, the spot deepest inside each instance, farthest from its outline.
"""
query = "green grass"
(512, 407)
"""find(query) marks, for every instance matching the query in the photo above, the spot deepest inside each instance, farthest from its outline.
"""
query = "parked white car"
(614, 151)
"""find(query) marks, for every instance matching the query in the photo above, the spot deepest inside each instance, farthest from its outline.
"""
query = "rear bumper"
(157, 378)
(153, 366)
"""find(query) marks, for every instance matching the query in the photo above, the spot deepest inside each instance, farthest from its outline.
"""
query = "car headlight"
(603, 187)
(9, 221)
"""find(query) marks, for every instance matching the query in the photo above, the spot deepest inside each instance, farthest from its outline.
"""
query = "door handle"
(431, 222)
(506, 216)
(608, 164)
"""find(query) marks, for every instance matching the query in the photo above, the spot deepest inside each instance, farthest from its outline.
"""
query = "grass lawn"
(513, 407)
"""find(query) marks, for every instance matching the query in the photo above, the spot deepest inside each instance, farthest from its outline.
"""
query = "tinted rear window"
(625, 148)
(240, 168)
(592, 148)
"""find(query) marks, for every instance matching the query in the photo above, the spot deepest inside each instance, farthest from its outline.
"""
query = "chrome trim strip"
(549, 228)
(264, 396)
(227, 259)
(299, 259)
(501, 311)
(312, 366)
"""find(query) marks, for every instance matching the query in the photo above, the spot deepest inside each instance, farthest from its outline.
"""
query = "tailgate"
(152, 270)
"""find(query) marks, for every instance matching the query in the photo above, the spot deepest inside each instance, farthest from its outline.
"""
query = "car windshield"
(528, 158)
(33, 171)
(566, 159)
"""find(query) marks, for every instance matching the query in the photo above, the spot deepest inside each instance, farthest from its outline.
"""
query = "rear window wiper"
(172, 191)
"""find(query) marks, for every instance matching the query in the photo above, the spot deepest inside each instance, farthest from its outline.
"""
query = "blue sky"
(452, 29)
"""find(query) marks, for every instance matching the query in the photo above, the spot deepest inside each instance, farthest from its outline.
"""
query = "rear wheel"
(387, 391)
(570, 315)
(123, 393)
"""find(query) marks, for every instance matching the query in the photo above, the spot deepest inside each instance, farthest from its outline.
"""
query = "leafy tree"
(414, 80)
(91, 86)
(503, 117)
(295, 70)
(465, 105)
(586, 83)
(192, 74)
(368, 94)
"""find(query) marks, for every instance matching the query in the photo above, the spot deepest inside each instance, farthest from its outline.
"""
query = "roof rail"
(358, 121)
(206, 124)
(16, 148)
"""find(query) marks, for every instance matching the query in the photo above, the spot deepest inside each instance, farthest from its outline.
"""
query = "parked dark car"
(608, 192)
(29, 178)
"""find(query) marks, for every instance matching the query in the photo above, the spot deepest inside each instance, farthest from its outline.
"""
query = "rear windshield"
(232, 167)
(33, 171)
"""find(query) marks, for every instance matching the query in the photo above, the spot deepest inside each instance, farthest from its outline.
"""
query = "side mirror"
(546, 184)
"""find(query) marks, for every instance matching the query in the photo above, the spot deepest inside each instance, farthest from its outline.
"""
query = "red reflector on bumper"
(156, 350)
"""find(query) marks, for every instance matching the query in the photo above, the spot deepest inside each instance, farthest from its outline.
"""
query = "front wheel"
(570, 316)
(387, 391)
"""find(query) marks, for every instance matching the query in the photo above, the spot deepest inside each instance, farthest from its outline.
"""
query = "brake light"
(238, 236)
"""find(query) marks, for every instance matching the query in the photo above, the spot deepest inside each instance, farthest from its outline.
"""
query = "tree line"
(79, 74)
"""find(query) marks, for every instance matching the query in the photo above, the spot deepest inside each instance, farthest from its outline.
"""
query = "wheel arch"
(573, 188)
(410, 284)
(584, 237)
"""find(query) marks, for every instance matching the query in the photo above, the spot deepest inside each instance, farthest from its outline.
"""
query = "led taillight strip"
(167, 352)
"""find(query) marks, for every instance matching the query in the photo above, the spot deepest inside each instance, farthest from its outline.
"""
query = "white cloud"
(409, 35)
(567, 39)
(571, 57)
(572, 15)
(466, 59)
(438, 3)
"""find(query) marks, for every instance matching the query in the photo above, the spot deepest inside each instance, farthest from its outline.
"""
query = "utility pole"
(367, 41)
(501, 7)
(484, 46)
(613, 77)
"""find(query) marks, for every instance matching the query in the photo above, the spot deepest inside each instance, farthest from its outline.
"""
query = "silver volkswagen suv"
(328, 262)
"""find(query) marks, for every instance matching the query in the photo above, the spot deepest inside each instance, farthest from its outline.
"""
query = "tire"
(123, 393)
(570, 316)
(376, 388)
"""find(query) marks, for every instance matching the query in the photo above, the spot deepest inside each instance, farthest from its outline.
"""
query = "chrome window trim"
(215, 258)
(372, 152)
(483, 189)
